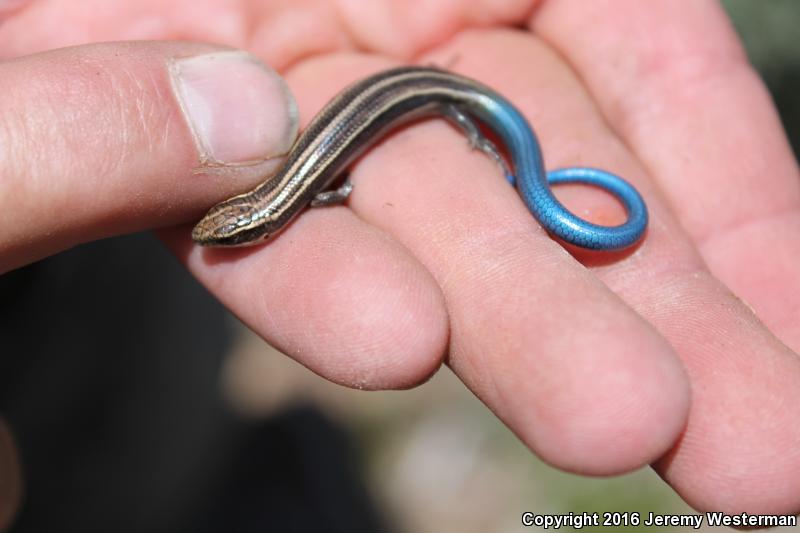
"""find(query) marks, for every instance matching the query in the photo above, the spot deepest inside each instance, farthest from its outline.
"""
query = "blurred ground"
(769, 32)
(437, 460)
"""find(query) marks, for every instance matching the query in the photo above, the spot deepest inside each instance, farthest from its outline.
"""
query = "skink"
(358, 116)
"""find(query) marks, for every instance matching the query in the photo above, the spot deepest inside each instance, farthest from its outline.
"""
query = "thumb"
(113, 138)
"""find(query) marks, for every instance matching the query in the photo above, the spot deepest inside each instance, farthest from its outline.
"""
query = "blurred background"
(138, 404)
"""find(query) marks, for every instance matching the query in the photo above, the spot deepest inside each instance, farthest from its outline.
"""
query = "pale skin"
(681, 353)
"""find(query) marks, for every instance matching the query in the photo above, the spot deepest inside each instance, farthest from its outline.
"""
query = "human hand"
(438, 256)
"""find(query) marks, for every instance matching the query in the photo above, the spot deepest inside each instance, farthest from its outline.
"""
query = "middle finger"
(563, 361)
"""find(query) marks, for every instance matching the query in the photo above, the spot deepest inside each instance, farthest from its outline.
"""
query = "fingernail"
(238, 109)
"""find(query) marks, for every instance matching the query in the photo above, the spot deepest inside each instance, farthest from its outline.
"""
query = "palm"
(437, 256)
